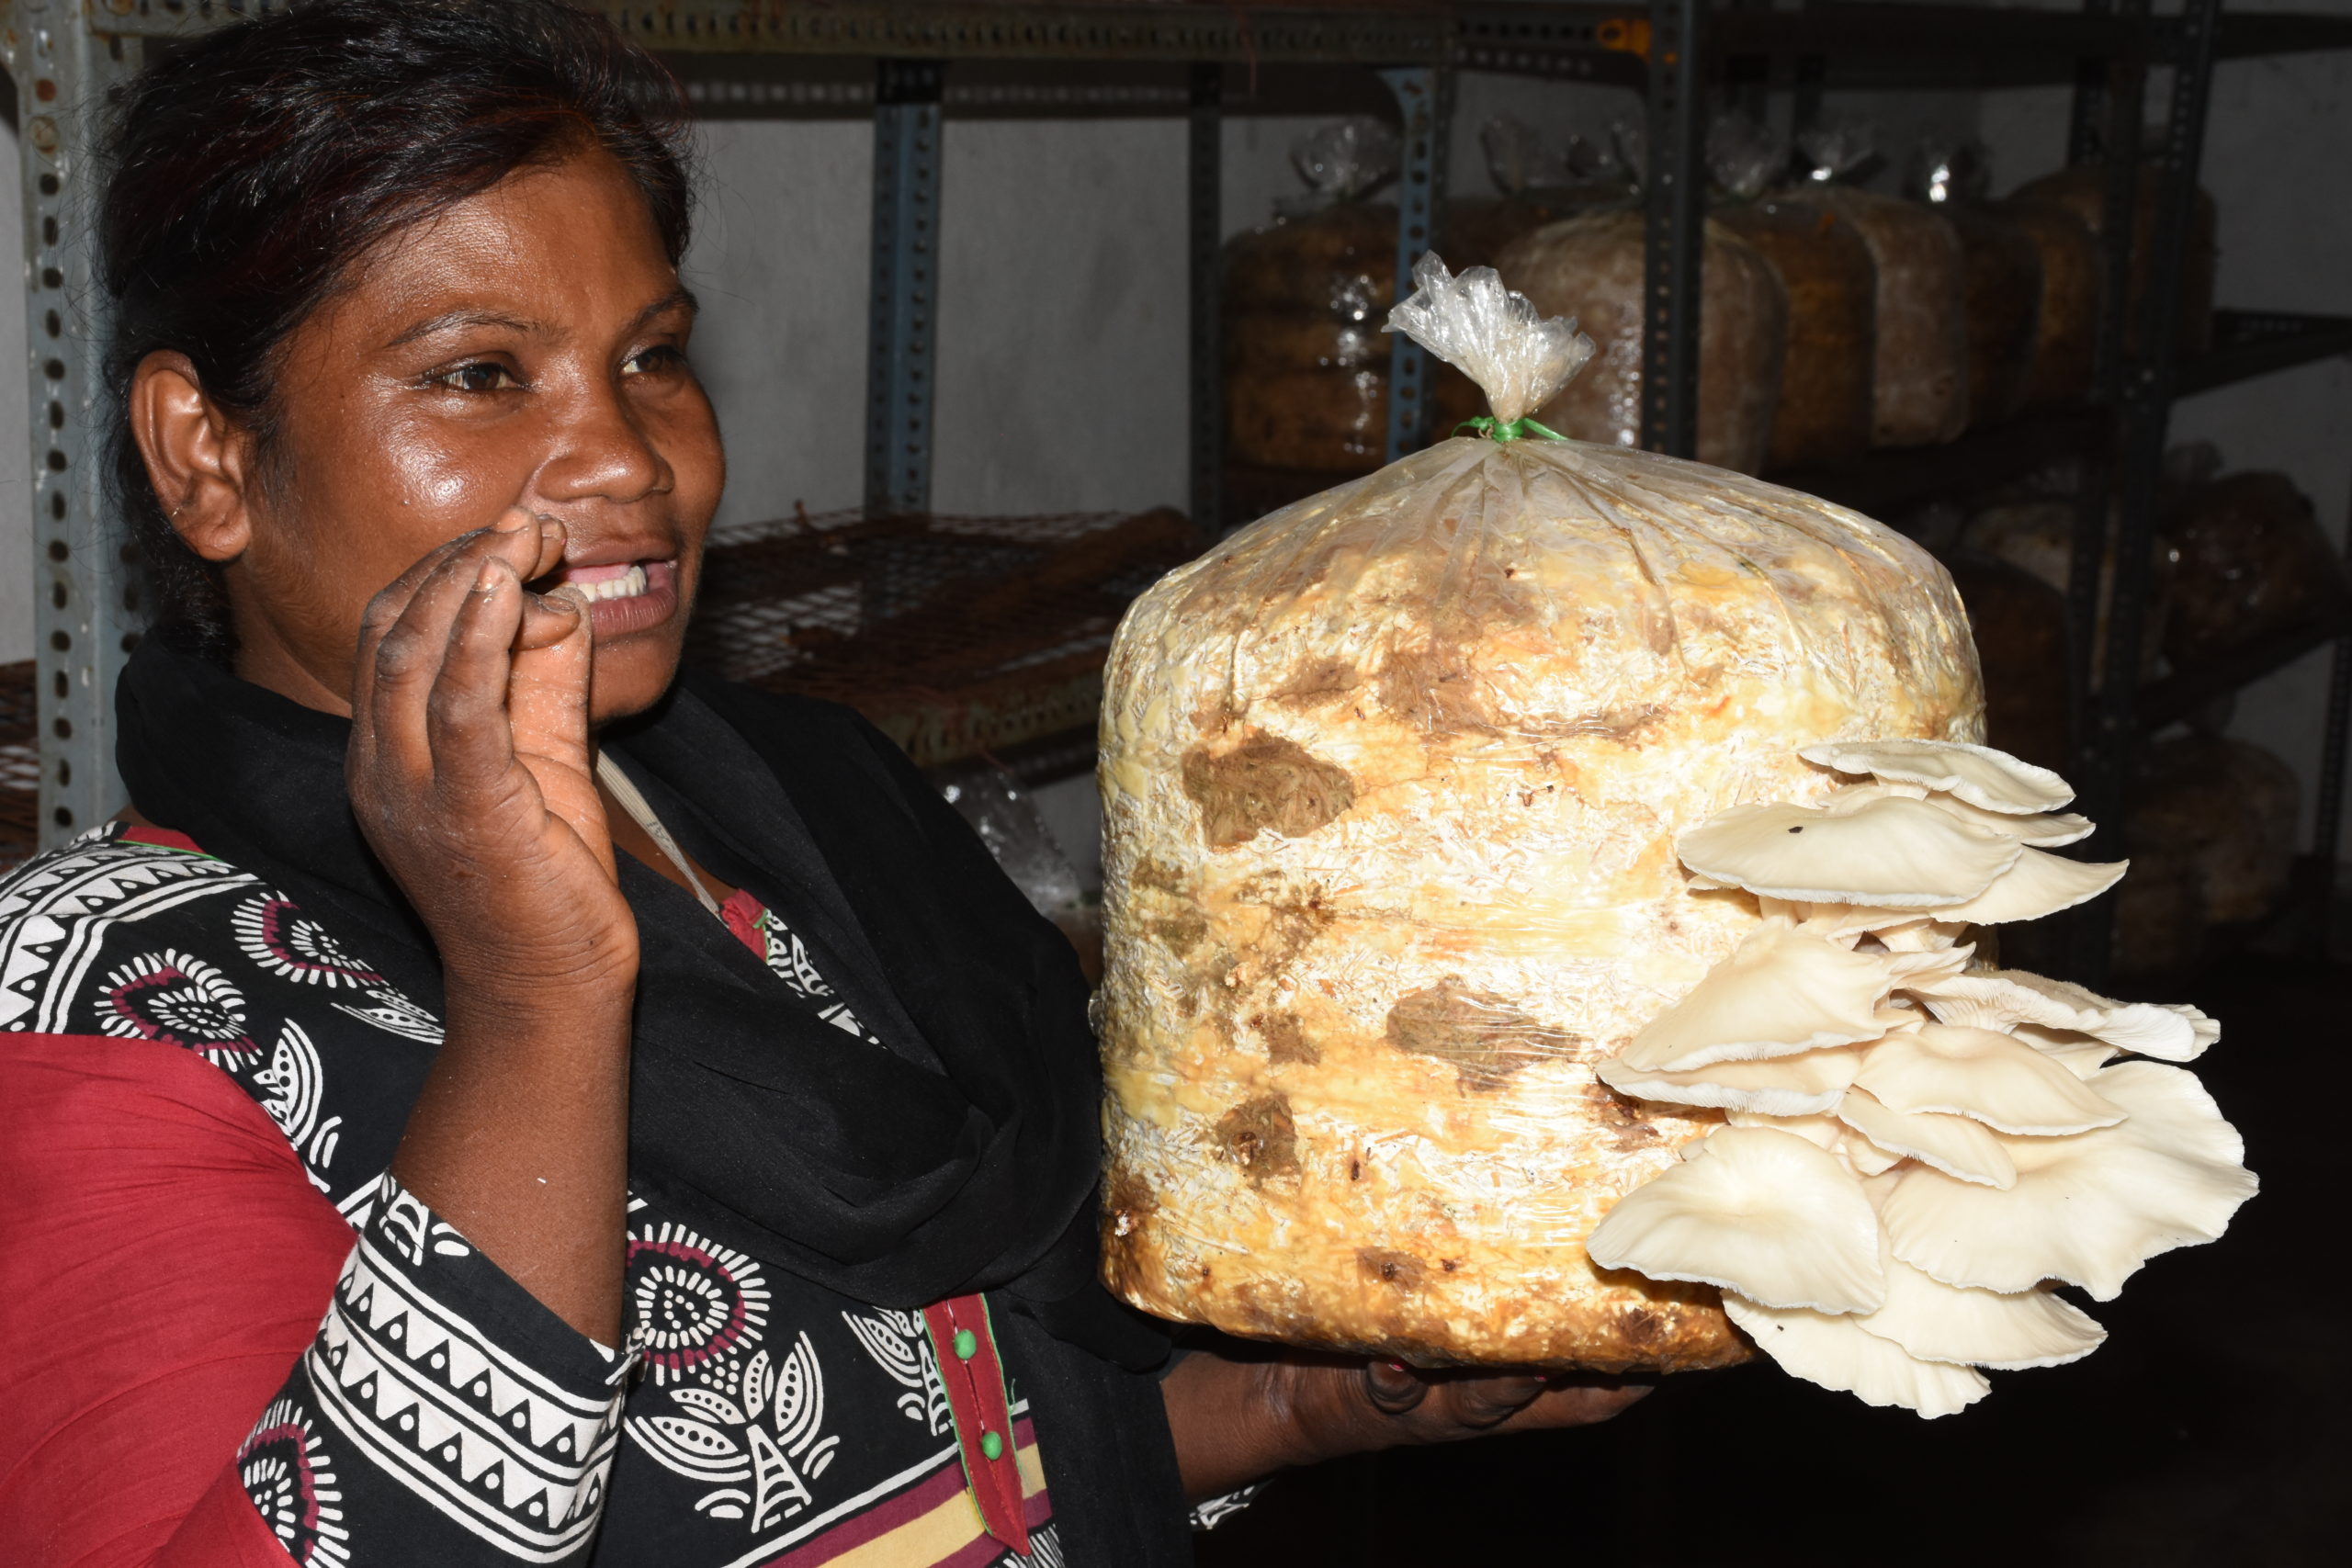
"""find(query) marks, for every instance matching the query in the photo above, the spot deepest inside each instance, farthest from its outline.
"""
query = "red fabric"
(743, 914)
(163, 1262)
(162, 838)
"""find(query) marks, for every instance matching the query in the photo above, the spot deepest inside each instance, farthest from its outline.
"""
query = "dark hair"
(246, 173)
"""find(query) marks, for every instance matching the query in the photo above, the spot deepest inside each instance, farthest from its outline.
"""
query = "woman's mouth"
(623, 596)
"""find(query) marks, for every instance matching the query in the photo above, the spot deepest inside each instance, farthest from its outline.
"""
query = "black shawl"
(959, 1156)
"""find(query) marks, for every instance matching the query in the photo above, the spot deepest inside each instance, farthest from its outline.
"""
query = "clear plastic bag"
(1919, 368)
(2253, 561)
(1391, 784)
(2002, 260)
(1829, 283)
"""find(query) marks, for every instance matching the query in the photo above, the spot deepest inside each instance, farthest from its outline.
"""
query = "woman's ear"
(197, 459)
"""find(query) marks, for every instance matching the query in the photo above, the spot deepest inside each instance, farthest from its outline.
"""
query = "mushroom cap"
(1801, 1085)
(2038, 884)
(1782, 991)
(1837, 1353)
(1757, 1211)
(2011, 1333)
(1993, 1078)
(2042, 830)
(1856, 1152)
(2078, 1053)
(1997, 999)
(1954, 1144)
(1893, 850)
(2089, 1209)
(1976, 774)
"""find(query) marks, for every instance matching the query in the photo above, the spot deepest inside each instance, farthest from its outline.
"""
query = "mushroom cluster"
(1917, 1150)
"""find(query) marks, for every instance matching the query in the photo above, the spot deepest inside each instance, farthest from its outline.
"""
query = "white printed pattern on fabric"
(701, 1312)
(284, 1469)
(788, 960)
(57, 912)
(428, 1399)
(900, 1346)
(56, 908)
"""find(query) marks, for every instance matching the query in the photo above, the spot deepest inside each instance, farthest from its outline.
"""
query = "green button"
(991, 1445)
(967, 1345)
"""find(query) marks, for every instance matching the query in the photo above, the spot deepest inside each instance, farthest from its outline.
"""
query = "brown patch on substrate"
(1483, 1037)
(1260, 1136)
(1266, 781)
(1287, 1041)
(1180, 933)
(1624, 1119)
(1155, 874)
(1127, 1203)
(1401, 1269)
(1326, 680)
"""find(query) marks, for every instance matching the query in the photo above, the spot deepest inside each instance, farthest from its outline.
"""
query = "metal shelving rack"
(64, 54)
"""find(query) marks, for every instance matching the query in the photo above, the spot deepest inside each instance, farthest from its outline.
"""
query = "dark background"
(2209, 1430)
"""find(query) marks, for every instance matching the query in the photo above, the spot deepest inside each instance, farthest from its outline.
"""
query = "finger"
(390, 602)
(547, 696)
(392, 683)
(1481, 1402)
(466, 728)
(1577, 1403)
(553, 536)
(1393, 1387)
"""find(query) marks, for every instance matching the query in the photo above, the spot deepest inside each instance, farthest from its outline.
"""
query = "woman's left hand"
(1236, 1420)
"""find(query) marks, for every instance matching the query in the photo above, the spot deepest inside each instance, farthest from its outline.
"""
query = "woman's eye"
(654, 360)
(480, 377)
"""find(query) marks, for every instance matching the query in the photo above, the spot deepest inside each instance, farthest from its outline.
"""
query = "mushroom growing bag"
(1392, 781)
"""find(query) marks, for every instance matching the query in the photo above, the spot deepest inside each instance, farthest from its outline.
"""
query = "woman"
(685, 1134)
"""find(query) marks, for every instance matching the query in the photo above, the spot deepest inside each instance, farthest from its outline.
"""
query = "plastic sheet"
(1391, 782)
(1592, 267)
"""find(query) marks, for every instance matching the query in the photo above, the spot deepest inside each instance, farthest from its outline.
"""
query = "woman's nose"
(602, 451)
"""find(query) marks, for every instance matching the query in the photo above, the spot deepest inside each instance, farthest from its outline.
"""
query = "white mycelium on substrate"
(1917, 1152)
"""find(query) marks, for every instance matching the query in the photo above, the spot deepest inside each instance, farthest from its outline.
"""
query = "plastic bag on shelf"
(2081, 190)
(2038, 537)
(1829, 283)
(1391, 784)
(2002, 260)
(2254, 562)
(1919, 370)
(2228, 809)
(1591, 269)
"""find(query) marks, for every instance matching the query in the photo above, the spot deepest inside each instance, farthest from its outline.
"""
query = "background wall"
(1062, 325)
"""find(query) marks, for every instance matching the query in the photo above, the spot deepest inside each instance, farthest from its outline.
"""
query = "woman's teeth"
(628, 585)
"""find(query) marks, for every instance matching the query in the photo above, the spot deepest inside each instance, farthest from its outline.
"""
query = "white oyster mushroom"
(1891, 851)
(1998, 999)
(1976, 774)
(1781, 992)
(1958, 1148)
(2087, 1210)
(1827, 1132)
(2040, 884)
(2041, 830)
(1757, 1211)
(2078, 1053)
(1993, 1078)
(2011, 1333)
(1837, 1353)
(1784, 1086)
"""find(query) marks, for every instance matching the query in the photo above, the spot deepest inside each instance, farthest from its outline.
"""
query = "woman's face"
(525, 348)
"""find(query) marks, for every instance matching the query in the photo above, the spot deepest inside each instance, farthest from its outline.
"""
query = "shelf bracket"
(1205, 207)
(1425, 96)
(88, 615)
(1676, 236)
(901, 341)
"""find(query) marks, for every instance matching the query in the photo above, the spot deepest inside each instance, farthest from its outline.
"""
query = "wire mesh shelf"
(958, 635)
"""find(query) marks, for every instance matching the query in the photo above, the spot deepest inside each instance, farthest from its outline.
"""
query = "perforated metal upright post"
(88, 615)
(1675, 237)
(1425, 94)
(1204, 150)
(2145, 412)
(901, 336)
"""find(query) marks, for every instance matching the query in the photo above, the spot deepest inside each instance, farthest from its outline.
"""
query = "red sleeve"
(164, 1261)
